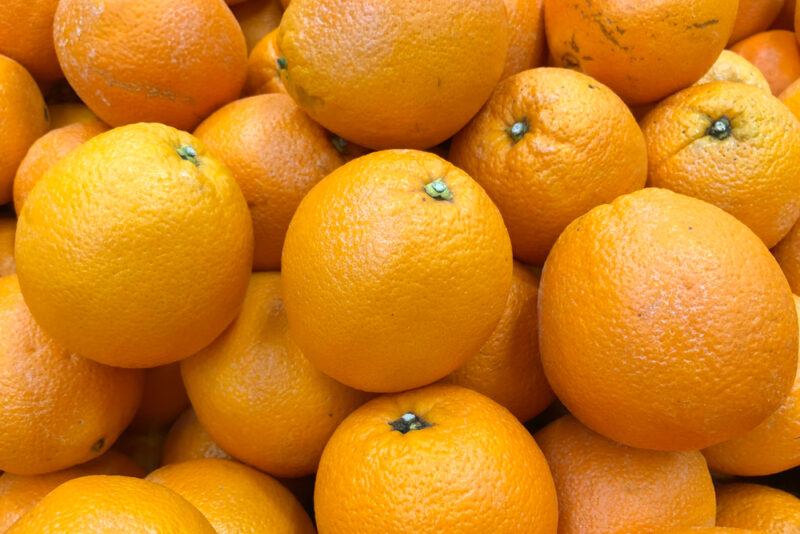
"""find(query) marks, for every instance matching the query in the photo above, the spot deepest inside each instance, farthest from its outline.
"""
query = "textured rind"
(757, 507)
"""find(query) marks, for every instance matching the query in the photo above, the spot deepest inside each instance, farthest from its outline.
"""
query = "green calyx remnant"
(339, 144)
(282, 64)
(438, 190)
(518, 130)
(188, 153)
(720, 128)
(409, 421)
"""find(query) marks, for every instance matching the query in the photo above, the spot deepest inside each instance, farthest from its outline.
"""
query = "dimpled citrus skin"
(256, 394)
(8, 228)
(188, 440)
(603, 486)
(474, 470)
(776, 55)
(754, 16)
(20, 493)
(277, 154)
(47, 151)
(526, 47)
(393, 74)
(26, 35)
(582, 148)
(235, 499)
(58, 409)
(771, 447)
(130, 254)
(387, 288)
(714, 530)
(753, 172)
(263, 71)
(151, 60)
(108, 504)
(757, 507)
(645, 50)
(258, 18)
(791, 97)
(508, 368)
(787, 252)
(731, 67)
(23, 119)
(689, 335)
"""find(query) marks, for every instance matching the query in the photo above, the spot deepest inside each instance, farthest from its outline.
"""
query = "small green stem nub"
(438, 190)
(282, 64)
(518, 130)
(409, 421)
(720, 128)
(339, 144)
(188, 153)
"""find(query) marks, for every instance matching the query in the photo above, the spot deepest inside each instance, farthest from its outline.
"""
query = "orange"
(47, 151)
(527, 39)
(8, 228)
(100, 503)
(776, 55)
(389, 74)
(235, 499)
(58, 409)
(135, 249)
(734, 146)
(142, 446)
(188, 440)
(508, 369)
(20, 493)
(791, 97)
(192, 61)
(642, 50)
(396, 269)
(277, 154)
(23, 119)
(714, 530)
(256, 394)
(787, 252)
(757, 507)
(603, 486)
(68, 113)
(548, 146)
(163, 400)
(754, 16)
(771, 447)
(437, 459)
(688, 335)
(257, 18)
(26, 35)
(264, 67)
(731, 67)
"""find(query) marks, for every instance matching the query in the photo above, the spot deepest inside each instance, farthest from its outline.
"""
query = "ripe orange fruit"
(771, 447)
(277, 154)
(20, 493)
(58, 409)
(47, 151)
(754, 16)
(8, 228)
(257, 18)
(100, 503)
(508, 369)
(396, 269)
(787, 252)
(689, 334)
(235, 499)
(258, 396)
(110, 244)
(438, 459)
(26, 35)
(163, 400)
(776, 55)
(548, 146)
(69, 113)
(23, 119)
(264, 67)
(527, 39)
(731, 67)
(714, 530)
(645, 50)
(389, 74)
(173, 76)
(188, 440)
(734, 146)
(603, 486)
(791, 97)
(757, 507)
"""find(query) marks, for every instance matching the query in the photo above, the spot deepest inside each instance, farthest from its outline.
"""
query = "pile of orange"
(367, 266)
